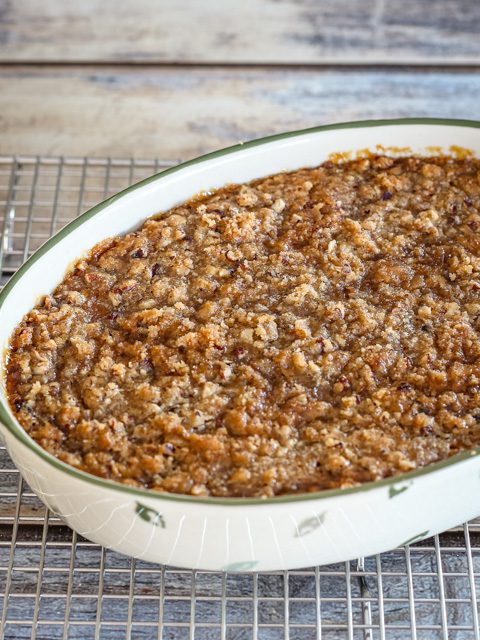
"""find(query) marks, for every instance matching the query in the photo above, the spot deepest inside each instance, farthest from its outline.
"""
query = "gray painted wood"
(251, 31)
(181, 112)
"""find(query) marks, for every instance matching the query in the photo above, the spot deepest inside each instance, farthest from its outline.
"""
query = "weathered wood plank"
(252, 31)
(181, 112)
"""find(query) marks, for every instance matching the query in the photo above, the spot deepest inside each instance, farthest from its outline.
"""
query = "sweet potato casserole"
(305, 331)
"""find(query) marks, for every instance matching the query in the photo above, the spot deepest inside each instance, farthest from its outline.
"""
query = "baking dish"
(238, 534)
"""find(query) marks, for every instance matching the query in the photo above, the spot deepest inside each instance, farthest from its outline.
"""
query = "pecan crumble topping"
(305, 331)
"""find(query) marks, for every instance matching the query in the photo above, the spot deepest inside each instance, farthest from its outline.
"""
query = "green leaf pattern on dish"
(309, 524)
(247, 565)
(397, 490)
(417, 538)
(150, 515)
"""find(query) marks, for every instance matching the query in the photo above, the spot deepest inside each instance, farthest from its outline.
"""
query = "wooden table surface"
(174, 78)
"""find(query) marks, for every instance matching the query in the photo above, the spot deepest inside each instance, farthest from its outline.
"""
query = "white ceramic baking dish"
(238, 534)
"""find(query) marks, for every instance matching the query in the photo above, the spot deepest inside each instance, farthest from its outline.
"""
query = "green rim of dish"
(6, 417)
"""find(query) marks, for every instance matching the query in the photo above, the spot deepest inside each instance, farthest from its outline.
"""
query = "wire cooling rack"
(54, 584)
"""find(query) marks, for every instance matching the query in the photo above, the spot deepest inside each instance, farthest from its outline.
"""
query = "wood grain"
(251, 31)
(181, 112)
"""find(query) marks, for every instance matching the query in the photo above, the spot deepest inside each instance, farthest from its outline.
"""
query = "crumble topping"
(305, 331)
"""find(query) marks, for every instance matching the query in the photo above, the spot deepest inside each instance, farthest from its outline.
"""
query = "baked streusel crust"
(308, 330)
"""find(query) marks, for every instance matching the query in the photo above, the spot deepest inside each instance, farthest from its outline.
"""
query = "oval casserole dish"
(237, 534)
